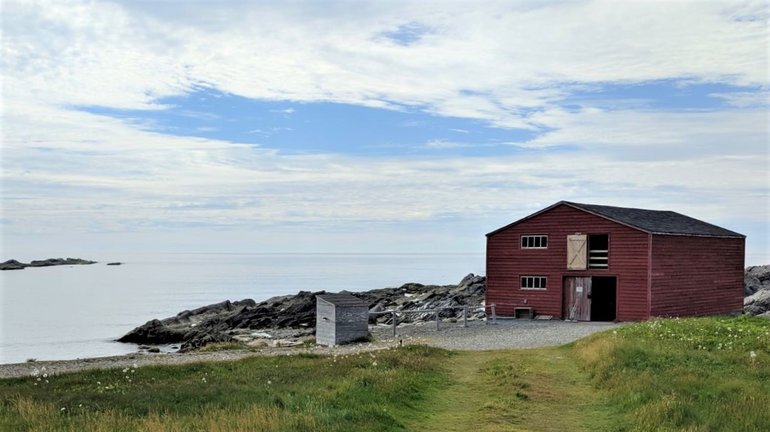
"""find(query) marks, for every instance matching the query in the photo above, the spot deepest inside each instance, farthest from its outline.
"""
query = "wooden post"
(394, 323)
(494, 315)
(465, 316)
(437, 311)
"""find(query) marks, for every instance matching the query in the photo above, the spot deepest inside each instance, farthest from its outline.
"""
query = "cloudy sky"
(315, 126)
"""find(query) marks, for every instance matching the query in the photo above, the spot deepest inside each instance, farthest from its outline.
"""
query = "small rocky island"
(16, 265)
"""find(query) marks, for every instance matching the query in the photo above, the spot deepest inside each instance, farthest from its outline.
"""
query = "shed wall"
(696, 275)
(324, 328)
(352, 324)
(507, 261)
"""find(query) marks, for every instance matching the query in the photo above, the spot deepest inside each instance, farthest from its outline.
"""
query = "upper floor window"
(598, 251)
(534, 241)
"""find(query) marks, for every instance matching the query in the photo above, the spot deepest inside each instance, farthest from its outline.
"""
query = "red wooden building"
(600, 263)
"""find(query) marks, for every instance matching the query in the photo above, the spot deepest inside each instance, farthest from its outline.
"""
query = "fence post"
(465, 316)
(437, 311)
(394, 323)
(494, 315)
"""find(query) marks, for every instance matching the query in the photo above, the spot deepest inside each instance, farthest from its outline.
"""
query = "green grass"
(301, 392)
(701, 374)
(663, 375)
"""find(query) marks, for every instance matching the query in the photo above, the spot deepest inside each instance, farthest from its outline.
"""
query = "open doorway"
(603, 298)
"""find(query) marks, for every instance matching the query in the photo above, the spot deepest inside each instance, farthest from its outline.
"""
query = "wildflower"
(45, 375)
(753, 355)
(269, 382)
(125, 370)
(134, 366)
(35, 372)
(63, 409)
(203, 379)
(374, 363)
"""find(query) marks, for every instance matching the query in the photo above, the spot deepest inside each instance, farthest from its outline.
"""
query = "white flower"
(269, 382)
(753, 355)
(45, 375)
(63, 409)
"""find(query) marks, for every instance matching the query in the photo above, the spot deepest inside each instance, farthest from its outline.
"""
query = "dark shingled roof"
(651, 221)
(342, 299)
(657, 221)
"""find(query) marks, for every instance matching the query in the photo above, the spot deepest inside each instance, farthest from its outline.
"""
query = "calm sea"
(67, 312)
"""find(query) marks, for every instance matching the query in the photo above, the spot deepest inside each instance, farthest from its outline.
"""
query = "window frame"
(536, 238)
(541, 280)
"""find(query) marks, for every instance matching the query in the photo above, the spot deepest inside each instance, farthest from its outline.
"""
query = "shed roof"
(651, 221)
(342, 299)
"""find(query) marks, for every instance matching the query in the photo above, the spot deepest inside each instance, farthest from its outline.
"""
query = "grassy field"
(664, 375)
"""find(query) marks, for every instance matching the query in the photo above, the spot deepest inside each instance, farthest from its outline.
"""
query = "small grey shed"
(340, 318)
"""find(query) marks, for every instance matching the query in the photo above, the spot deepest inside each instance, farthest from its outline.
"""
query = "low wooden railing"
(437, 312)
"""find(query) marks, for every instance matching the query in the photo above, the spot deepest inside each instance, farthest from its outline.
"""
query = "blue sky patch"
(319, 127)
(407, 34)
(326, 127)
(673, 95)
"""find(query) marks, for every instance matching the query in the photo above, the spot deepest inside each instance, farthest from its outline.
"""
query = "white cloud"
(505, 63)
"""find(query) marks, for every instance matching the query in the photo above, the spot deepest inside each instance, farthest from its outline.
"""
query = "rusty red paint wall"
(696, 275)
(506, 261)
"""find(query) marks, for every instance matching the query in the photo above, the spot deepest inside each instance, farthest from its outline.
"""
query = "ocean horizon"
(68, 312)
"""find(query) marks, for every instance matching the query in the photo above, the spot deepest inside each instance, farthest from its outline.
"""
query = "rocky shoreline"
(12, 264)
(290, 319)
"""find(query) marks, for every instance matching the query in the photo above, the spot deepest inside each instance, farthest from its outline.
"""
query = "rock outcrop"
(16, 265)
(756, 287)
(293, 316)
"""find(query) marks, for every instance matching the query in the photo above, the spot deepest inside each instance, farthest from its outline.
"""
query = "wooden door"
(577, 252)
(577, 298)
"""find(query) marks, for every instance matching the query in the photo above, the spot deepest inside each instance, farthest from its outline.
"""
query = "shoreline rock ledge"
(12, 264)
(292, 317)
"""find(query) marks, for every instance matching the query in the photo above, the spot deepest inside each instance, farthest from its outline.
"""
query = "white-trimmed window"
(534, 282)
(534, 242)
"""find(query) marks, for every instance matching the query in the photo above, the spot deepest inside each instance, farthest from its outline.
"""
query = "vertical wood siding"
(506, 262)
(696, 275)
(336, 325)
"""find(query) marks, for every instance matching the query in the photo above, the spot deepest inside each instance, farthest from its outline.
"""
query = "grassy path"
(515, 390)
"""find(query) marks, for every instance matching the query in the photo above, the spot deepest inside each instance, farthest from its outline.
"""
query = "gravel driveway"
(482, 336)
(505, 334)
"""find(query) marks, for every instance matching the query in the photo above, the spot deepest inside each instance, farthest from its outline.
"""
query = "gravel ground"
(504, 334)
(479, 335)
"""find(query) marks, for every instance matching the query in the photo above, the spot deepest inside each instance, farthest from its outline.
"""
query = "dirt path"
(514, 390)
